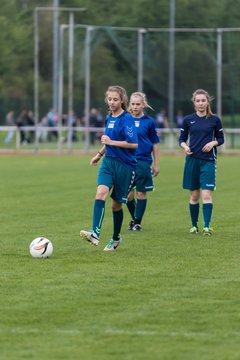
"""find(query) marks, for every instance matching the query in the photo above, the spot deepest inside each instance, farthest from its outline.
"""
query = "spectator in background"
(52, 122)
(10, 121)
(21, 122)
(161, 119)
(93, 123)
(72, 121)
(100, 123)
(30, 122)
(42, 132)
(162, 122)
(179, 119)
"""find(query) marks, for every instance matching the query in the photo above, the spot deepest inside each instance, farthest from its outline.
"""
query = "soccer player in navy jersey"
(117, 170)
(204, 131)
(147, 153)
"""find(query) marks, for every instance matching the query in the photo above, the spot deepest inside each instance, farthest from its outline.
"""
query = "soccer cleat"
(137, 227)
(131, 224)
(90, 236)
(112, 245)
(207, 231)
(193, 230)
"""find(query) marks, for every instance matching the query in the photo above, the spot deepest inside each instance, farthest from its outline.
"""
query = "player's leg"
(194, 210)
(99, 208)
(117, 212)
(123, 182)
(140, 210)
(131, 205)
(207, 209)
(191, 182)
(144, 184)
(208, 183)
(105, 183)
(98, 215)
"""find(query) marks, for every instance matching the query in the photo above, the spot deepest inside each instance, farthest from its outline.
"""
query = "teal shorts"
(143, 181)
(117, 176)
(199, 174)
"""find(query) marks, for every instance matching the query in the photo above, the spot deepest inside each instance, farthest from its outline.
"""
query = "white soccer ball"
(41, 247)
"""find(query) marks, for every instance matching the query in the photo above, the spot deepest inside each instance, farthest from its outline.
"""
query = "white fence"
(85, 138)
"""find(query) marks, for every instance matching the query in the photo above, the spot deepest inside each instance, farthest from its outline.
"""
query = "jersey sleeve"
(219, 135)
(153, 135)
(183, 132)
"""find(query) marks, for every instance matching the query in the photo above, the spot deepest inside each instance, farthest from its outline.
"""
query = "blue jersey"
(122, 128)
(199, 131)
(147, 136)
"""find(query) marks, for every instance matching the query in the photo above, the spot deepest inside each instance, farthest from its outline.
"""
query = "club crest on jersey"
(111, 124)
(137, 123)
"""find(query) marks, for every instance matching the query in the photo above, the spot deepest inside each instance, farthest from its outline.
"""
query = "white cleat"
(90, 237)
(112, 245)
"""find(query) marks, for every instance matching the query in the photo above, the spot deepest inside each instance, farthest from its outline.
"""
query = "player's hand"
(155, 171)
(188, 151)
(95, 160)
(208, 147)
(105, 140)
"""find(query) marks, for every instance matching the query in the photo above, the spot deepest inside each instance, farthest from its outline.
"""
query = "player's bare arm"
(98, 156)
(186, 148)
(123, 144)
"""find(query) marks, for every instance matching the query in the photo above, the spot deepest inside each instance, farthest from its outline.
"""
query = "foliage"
(115, 60)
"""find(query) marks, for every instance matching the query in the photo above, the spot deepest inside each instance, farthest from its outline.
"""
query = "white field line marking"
(117, 332)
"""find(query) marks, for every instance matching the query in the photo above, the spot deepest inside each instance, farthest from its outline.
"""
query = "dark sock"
(194, 213)
(131, 205)
(98, 215)
(140, 210)
(207, 213)
(117, 223)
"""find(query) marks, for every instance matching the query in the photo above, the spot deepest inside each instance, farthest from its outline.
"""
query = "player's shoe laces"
(90, 236)
(193, 230)
(131, 225)
(137, 227)
(112, 245)
(207, 231)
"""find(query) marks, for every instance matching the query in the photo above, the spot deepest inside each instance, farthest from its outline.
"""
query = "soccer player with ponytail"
(117, 170)
(200, 135)
(147, 159)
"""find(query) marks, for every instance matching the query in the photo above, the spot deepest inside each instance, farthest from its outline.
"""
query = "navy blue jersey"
(147, 136)
(122, 128)
(200, 131)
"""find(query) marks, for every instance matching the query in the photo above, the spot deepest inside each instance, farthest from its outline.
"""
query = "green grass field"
(164, 294)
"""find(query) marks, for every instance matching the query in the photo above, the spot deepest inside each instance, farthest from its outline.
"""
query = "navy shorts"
(199, 174)
(143, 181)
(117, 176)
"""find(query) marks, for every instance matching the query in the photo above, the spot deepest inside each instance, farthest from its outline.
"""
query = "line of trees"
(114, 55)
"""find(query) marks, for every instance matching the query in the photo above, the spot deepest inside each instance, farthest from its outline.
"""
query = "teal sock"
(117, 224)
(194, 213)
(131, 205)
(207, 213)
(140, 210)
(98, 215)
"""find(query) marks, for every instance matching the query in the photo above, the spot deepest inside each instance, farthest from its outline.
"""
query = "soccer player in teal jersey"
(204, 131)
(117, 170)
(147, 153)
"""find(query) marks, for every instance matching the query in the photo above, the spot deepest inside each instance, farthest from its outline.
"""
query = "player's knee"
(116, 206)
(207, 197)
(141, 195)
